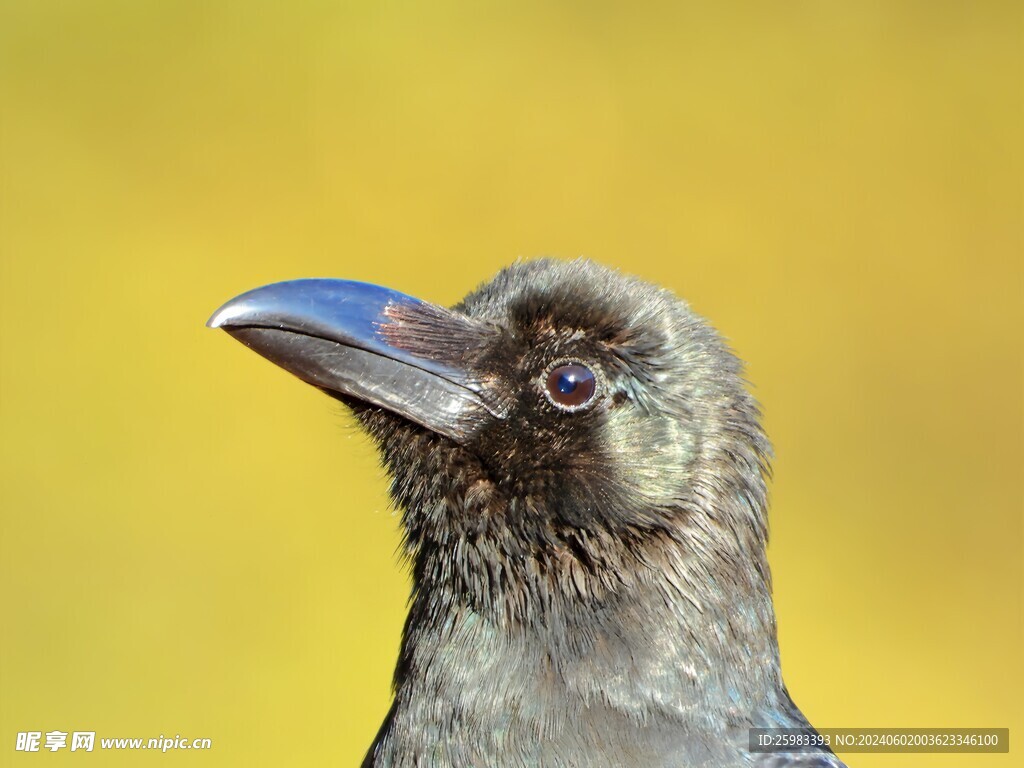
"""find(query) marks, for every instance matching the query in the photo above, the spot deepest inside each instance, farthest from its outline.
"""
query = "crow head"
(581, 474)
(560, 434)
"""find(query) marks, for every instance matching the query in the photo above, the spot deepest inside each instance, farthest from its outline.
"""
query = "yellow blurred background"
(192, 542)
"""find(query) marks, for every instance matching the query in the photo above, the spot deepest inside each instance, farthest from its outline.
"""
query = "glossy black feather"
(589, 588)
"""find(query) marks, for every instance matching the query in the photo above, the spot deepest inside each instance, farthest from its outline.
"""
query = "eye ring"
(571, 385)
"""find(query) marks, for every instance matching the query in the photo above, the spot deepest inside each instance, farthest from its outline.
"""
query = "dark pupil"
(571, 385)
(566, 383)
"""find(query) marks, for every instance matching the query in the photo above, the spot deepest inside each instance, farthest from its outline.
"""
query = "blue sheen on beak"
(346, 311)
(329, 333)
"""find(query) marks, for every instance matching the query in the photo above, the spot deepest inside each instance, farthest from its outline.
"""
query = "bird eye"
(571, 386)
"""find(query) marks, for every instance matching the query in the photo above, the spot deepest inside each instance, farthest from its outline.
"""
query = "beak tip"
(223, 315)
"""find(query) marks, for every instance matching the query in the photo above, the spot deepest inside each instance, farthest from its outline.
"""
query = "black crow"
(581, 474)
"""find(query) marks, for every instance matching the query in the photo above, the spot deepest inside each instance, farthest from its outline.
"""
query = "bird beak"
(366, 342)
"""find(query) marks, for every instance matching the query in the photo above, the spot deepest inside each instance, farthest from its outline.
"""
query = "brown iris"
(571, 386)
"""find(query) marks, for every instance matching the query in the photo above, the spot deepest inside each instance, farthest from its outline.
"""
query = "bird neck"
(568, 599)
(667, 652)
(669, 626)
